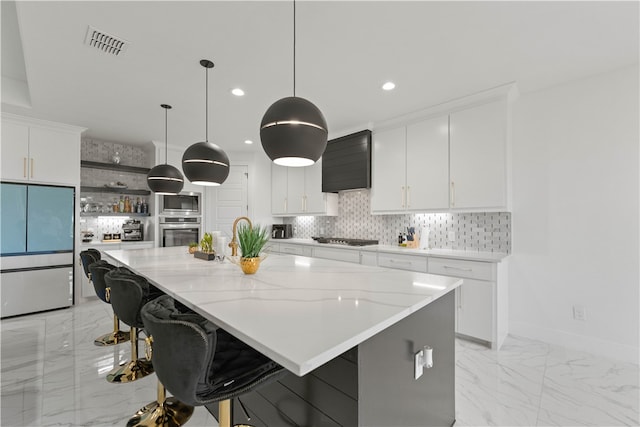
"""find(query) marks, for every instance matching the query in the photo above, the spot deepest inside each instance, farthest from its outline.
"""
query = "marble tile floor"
(53, 375)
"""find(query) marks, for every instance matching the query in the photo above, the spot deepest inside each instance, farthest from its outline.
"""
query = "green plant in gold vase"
(251, 241)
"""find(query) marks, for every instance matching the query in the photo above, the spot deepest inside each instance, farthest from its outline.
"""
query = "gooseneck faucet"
(234, 244)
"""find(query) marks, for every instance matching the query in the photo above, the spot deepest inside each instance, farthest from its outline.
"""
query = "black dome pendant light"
(165, 179)
(293, 131)
(205, 163)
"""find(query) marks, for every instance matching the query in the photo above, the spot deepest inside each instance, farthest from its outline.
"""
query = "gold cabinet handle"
(31, 167)
(24, 167)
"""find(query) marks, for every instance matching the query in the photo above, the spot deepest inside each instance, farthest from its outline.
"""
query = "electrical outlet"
(579, 313)
(451, 236)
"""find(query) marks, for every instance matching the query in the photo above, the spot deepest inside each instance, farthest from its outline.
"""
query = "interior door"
(228, 201)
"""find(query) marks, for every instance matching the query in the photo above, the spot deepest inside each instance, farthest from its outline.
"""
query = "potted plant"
(193, 247)
(206, 251)
(251, 241)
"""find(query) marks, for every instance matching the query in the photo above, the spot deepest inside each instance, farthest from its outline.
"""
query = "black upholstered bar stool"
(101, 267)
(128, 293)
(200, 363)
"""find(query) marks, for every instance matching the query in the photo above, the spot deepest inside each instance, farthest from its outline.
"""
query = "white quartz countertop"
(301, 312)
(440, 253)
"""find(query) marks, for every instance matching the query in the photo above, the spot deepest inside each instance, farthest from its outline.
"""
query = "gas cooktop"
(345, 241)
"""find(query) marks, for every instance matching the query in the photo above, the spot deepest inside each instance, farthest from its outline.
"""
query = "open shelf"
(113, 167)
(94, 214)
(115, 190)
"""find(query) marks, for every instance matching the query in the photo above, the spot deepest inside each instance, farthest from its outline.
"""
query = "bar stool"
(129, 292)
(200, 363)
(95, 269)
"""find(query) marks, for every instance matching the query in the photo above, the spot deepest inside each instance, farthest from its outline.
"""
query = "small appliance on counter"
(132, 230)
(87, 236)
(281, 231)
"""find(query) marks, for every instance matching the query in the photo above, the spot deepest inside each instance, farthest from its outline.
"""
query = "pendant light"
(205, 163)
(293, 131)
(165, 179)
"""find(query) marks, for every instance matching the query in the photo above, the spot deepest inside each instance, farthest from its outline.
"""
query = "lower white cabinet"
(347, 255)
(368, 258)
(403, 262)
(292, 249)
(481, 300)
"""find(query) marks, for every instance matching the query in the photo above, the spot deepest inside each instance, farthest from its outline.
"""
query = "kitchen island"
(347, 333)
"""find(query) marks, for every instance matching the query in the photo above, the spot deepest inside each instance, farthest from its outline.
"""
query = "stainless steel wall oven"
(180, 231)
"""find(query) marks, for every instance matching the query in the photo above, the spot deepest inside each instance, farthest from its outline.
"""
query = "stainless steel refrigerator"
(36, 247)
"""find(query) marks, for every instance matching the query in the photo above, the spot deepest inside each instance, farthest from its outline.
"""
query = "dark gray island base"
(372, 384)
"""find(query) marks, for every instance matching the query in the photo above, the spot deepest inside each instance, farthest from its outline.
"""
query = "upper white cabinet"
(478, 162)
(298, 191)
(38, 151)
(410, 167)
(455, 158)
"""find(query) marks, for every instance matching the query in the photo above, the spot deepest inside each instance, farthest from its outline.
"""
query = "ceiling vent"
(105, 42)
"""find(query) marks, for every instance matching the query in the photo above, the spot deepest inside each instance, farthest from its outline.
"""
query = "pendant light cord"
(206, 107)
(166, 152)
(294, 48)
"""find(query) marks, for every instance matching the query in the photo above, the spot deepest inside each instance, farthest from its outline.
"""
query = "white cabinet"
(368, 258)
(40, 151)
(292, 249)
(403, 262)
(337, 254)
(478, 163)
(298, 191)
(410, 167)
(481, 301)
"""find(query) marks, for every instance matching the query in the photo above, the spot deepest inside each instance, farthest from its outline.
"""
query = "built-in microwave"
(183, 204)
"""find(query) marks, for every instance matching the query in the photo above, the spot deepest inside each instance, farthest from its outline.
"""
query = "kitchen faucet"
(234, 244)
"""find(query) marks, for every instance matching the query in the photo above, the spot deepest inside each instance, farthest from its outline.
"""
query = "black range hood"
(346, 163)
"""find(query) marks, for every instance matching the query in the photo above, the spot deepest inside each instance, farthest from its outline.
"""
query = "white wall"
(575, 215)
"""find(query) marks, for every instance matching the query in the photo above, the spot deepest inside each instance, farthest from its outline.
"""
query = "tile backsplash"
(484, 231)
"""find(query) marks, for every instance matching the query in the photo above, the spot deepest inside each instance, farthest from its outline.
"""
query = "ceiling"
(433, 51)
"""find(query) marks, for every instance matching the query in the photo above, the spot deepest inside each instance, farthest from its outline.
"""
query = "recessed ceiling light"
(248, 141)
(237, 92)
(389, 86)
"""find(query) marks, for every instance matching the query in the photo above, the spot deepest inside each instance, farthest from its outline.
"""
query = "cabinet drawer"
(294, 249)
(462, 268)
(347, 255)
(403, 262)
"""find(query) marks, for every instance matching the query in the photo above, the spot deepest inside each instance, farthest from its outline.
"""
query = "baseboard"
(609, 349)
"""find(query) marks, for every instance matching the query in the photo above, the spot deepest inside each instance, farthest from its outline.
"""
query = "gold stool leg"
(135, 369)
(163, 412)
(225, 414)
(113, 338)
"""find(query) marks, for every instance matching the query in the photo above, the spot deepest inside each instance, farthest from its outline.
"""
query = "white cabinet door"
(478, 168)
(278, 190)
(368, 258)
(475, 309)
(428, 164)
(15, 151)
(403, 262)
(388, 171)
(295, 190)
(314, 202)
(54, 156)
(336, 254)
